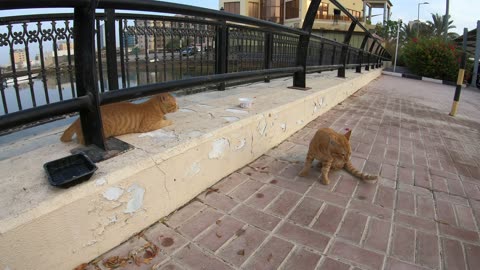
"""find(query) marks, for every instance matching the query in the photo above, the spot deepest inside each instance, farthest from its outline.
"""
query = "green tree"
(439, 23)
(407, 32)
(389, 34)
(431, 57)
(387, 31)
(173, 43)
(416, 30)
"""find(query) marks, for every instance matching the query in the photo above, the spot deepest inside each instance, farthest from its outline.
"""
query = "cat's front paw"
(326, 181)
(303, 173)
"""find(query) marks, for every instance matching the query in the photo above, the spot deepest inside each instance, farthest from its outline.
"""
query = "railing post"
(343, 56)
(372, 55)
(377, 51)
(334, 53)
(380, 57)
(110, 40)
(302, 48)
(358, 69)
(320, 59)
(268, 52)
(221, 52)
(367, 67)
(85, 73)
(385, 55)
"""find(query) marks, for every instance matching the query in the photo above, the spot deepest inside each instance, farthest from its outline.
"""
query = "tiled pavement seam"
(422, 205)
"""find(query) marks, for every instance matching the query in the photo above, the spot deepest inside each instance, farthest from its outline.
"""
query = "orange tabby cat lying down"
(332, 150)
(125, 117)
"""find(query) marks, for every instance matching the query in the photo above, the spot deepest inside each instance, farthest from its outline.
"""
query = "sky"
(463, 12)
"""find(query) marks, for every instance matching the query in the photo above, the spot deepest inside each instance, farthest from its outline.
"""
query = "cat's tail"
(366, 177)
(68, 133)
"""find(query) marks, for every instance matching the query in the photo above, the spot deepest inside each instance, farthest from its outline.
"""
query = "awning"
(471, 39)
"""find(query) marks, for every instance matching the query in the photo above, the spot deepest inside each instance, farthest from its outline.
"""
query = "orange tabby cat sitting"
(125, 117)
(333, 151)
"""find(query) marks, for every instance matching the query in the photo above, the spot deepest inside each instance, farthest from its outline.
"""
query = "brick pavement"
(423, 213)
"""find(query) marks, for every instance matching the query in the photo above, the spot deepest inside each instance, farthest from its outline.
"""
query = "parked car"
(189, 51)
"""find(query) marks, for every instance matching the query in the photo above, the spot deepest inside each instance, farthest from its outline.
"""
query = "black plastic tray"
(70, 170)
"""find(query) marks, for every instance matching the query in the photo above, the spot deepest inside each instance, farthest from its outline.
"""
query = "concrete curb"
(416, 77)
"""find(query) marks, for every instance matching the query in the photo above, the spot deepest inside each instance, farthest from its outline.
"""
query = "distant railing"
(331, 17)
(65, 63)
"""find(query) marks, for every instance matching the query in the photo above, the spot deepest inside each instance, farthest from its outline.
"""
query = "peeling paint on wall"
(218, 148)
(90, 243)
(194, 169)
(160, 135)
(262, 127)
(299, 122)
(136, 198)
(186, 110)
(283, 126)
(113, 193)
(112, 220)
(100, 182)
(195, 133)
(241, 144)
(236, 111)
(231, 119)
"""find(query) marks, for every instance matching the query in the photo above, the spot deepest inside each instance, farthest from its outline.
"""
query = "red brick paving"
(423, 213)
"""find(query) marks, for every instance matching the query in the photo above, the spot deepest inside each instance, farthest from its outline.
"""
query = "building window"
(232, 7)
(336, 15)
(356, 14)
(254, 10)
(322, 12)
(272, 10)
(291, 9)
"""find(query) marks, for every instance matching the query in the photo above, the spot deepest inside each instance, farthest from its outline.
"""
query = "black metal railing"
(65, 63)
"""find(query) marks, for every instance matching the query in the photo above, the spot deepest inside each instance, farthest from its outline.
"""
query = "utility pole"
(446, 18)
(418, 17)
(399, 24)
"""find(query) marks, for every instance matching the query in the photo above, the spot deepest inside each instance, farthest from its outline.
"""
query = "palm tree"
(439, 24)
(407, 32)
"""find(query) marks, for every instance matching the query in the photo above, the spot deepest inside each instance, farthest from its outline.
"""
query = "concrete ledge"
(211, 137)
(416, 77)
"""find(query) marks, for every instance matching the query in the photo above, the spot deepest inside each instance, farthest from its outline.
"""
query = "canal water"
(36, 94)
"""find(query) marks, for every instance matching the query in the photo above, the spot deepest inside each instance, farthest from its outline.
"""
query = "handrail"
(45, 111)
(150, 89)
(19, 4)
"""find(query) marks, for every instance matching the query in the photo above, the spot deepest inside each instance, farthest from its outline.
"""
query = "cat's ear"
(347, 135)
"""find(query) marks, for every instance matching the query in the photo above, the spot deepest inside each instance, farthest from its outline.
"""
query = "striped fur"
(333, 151)
(125, 117)
(352, 170)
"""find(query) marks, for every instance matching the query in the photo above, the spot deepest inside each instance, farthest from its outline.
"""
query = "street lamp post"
(418, 16)
(446, 19)
(396, 48)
